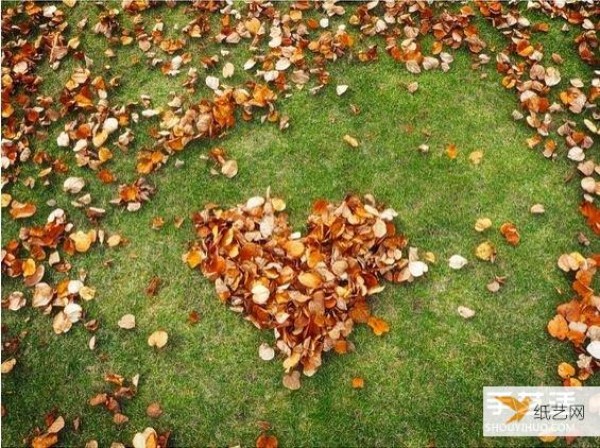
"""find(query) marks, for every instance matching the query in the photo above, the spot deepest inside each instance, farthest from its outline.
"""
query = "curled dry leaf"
(465, 313)
(351, 141)
(379, 326)
(73, 185)
(486, 251)
(476, 157)
(341, 89)
(267, 441)
(565, 370)
(20, 210)
(154, 410)
(127, 322)
(158, 339)
(8, 365)
(266, 352)
(292, 380)
(229, 168)
(452, 151)
(537, 209)
(510, 233)
(593, 349)
(482, 224)
(457, 262)
(558, 327)
(358, 383)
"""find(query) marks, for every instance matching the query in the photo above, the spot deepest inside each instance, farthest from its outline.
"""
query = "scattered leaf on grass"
(486, 251)
(510, 233)
(266, 352)
(292, 380)
(351, 141)
(127, 322)
(266, 441)
(457, 262)
(476, 157)
(152, 288)
(452, 151)
(537, 209)
(379, 326)
(465, 313)
(358, 383)
(154, 410)
(158, 339)
(482, 224)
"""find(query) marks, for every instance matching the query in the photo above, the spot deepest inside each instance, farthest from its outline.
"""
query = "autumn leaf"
(358, 383)
(20, 210)
(566, 370)
(152, 288)
(486, 251)
(266, 441)
(452, 151)
(353, 142)
(379, 326)
(158, 339)
(510, 233)
(558, 327)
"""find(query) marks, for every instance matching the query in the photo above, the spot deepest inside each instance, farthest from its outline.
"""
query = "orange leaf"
(452, 151)
(19, 210)
(510, 233)
(266, 441)
(558, 327)
(379, 326)
(358, 383)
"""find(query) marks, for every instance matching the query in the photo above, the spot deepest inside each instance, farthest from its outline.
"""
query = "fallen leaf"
(154, 410)
(19, 210)
(486, 251)
(379, 326)
(482, 224)
(457, 262)
(558, 327)
(566, 370)
(358, 383)
(510, 233)
(292, 380)
(8, 365)
(476, 157)
(351, 141)
(465, 313)
(537, 209)
(152, 288)
(146, 439)
(158, 339)
(341, 89)
(127, 322)
(452, 151)
(73, 185)
(229, 168)
(266, 352)
(266, 441)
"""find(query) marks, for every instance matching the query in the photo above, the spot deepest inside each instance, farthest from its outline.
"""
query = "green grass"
(424, 379)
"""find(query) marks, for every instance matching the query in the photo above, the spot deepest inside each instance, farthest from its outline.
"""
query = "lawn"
(423, 379)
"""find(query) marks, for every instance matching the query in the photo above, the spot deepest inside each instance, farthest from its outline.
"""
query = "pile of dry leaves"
(310, 289)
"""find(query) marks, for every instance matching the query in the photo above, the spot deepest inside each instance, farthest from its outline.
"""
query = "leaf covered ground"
(129, 129)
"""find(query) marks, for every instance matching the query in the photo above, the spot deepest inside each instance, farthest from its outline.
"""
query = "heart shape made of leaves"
(310, 289)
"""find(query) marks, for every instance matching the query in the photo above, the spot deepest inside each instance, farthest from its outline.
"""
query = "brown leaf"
(153, 410)
(152, 288)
